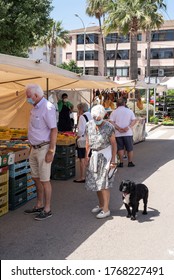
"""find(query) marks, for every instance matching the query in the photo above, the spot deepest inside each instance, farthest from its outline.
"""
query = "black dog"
(132, 194)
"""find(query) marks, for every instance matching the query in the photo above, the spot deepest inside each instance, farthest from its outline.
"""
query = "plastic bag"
(81, 142)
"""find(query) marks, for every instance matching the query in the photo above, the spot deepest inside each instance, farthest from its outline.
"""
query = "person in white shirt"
(84, 117)
(123, 120)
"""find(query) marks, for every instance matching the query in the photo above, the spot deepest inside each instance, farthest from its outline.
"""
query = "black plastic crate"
(16, 200)
(64, 162)
(62, 174)
(18, 183)
(64, 151)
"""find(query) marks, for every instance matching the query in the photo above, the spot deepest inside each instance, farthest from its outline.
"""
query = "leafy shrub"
(154, 119)
(167, 121)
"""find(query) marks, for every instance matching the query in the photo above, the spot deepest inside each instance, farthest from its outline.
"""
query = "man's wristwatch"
(51, 150)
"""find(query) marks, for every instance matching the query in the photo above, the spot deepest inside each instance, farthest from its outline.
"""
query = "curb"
(154, 127)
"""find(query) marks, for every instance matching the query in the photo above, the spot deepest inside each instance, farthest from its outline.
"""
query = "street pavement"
(73, 232)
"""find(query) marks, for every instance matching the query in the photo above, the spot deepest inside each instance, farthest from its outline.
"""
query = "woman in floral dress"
(101, 166)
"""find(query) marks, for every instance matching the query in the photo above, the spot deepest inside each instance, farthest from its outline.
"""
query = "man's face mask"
(65, 99)
(30, 101)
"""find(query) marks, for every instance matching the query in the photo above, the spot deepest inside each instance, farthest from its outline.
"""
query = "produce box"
(20, 153)
(3, 159)
(4, 209)
(10, 155)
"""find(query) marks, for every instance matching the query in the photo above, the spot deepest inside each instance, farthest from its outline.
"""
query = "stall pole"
(47, 87)
(91, 99)
(147, 106)
(154, 102)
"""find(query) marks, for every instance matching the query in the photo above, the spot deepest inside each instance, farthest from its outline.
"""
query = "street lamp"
(84, 38)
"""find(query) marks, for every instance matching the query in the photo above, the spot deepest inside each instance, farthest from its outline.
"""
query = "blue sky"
(64, 10)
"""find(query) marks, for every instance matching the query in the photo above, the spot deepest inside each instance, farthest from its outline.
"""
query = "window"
(113, 38)
(90, 39)
(68, 56)
(80, 39)
(168, 71)
(80, 55)
(123, 38)
(91, 71)
(161, 53)
(162, 35)
(121, 55)
(139, 37)
(89, 55)
(139, 54)
(120, 71)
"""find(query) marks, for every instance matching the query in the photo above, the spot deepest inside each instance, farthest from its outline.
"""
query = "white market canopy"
(169, 84)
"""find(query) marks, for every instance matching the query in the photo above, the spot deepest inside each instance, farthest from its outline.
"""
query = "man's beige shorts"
(39, 167)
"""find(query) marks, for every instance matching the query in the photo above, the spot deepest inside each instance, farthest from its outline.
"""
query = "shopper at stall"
(65, 108)
(84, 117)
(42, 135)
(123, 119)
(102, 163)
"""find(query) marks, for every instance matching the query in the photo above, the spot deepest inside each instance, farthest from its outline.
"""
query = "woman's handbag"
(81, 142)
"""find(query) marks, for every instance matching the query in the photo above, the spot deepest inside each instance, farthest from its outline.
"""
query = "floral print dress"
(98, 140)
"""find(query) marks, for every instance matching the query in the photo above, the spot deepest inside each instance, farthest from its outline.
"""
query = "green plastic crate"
(62, 174)
(64, 151)
(64, 162)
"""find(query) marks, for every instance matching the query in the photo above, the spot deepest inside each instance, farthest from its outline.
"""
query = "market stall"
(16, 185)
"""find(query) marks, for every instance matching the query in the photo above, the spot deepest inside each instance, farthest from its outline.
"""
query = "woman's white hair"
(34, 88)
(98, 111)
(83, 106)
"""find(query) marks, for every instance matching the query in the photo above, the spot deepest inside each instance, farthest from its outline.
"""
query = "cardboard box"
(20, 154)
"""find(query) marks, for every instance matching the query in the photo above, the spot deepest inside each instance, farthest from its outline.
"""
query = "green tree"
(55, 37)
(131, 16)
(71, 66)
(22, 23)
(97, 8)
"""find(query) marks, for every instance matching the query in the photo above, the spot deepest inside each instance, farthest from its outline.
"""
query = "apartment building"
(161, 52)
(43, 53)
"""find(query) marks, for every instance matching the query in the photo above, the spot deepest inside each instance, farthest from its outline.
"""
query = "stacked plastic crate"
(21, 186)
(31, 188)
(4, 179)
(63, 166)
(17, 184)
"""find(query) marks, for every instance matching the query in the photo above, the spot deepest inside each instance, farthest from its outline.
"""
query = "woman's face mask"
(98, 122)
(30, 101)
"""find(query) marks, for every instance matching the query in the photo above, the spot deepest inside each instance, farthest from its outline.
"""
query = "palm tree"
(129, 17)
(56, 37)
(96, 8)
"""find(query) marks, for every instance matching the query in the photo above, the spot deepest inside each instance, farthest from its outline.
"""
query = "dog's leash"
(118, 175)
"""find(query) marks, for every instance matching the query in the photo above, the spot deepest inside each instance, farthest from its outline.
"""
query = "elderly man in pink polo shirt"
(42, 135)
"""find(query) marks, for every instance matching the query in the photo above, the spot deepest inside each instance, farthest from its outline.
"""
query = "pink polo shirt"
(42, 120)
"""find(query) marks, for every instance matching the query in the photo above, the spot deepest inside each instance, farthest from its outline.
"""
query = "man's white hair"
(34, 88)
(98, 111)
